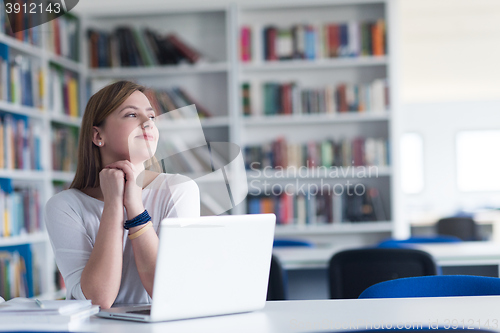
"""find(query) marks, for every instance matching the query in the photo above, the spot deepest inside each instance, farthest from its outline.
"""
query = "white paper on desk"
(23, 306)
(23, 318)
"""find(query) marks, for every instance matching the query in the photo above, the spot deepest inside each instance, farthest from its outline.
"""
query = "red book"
(286, 98)
(245, 44)
(188, 52)
(358, 151)
(333, 40)
(271, 44)
(57, 37)
(342, 98)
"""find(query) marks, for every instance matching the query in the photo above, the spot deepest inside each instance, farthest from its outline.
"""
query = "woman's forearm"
(100, 280)
(145, 251)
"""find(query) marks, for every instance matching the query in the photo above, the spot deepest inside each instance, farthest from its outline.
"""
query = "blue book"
(310, 45)
(24, 251)
(344, 42)
(5, 55)
(253, 205)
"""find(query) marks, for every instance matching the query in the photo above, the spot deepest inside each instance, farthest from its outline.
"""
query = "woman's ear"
(96, 137)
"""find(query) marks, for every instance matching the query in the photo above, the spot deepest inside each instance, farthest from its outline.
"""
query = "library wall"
(449, 50)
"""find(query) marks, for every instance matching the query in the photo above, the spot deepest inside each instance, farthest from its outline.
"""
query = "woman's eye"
(131, 114)
(153, 118)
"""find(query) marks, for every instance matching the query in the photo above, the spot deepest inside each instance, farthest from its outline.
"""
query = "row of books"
(20, 143)
(20, 210)
(166, 100)
(63, 41)
(64, 142)
(31, 34)
(131, 47)
(64, 89)
(328, 205)
(273, 98)
(306, 41)
(21, 79)
(279, 153)
(18, 276)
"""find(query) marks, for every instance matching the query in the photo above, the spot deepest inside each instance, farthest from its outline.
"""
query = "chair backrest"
(277, 285)
(462, 227)
(352, 271)
(434, 286)
(403, 243)
(285, 242)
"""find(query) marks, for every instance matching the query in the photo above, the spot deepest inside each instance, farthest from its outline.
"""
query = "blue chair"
(402, 243)
(291, 243)
(434, 286)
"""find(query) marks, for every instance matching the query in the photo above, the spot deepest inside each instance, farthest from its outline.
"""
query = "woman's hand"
(112, 183)
(132, 193)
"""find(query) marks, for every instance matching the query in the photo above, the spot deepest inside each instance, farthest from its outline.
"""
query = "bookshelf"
(282, 59)
(33, 105)
(215, 82)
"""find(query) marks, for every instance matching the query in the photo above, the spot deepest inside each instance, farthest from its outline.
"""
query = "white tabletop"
(445, 254)
(330, 315)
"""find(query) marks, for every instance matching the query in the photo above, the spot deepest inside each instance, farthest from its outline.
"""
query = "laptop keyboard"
(146, 312)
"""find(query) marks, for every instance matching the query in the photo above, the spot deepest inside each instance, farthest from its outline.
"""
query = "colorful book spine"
(20, 79)
(20, 211)
(359, 151)
(20, 140)
(64, 141)
(128, 46)
(246, 44)
(27, 33)
(325, 205)
(17, 272)
(330, 40)
(289, 98)
(64, 89)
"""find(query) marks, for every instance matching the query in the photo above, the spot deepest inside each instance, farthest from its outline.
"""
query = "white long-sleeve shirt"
(72, 220)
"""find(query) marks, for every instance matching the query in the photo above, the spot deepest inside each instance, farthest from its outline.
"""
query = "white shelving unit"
(260, 129)
(43, 257)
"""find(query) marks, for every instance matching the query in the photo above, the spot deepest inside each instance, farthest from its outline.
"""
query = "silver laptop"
(206, 266)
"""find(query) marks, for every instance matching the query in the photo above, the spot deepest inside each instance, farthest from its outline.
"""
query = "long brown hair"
(98, 108)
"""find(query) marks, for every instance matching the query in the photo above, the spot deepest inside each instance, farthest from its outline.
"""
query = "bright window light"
(412, 163)
(478, 160)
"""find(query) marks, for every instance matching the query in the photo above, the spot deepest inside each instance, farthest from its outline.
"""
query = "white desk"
(328, 315)
(445, 254)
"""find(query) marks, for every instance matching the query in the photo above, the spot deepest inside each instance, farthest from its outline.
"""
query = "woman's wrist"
(134, 210)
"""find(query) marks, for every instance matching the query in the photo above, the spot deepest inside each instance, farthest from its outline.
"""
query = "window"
(412, 163)
(478, 160)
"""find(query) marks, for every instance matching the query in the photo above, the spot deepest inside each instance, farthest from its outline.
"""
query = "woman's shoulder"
(65, 201)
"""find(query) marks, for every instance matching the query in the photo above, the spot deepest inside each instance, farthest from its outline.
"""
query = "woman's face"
(129, 132)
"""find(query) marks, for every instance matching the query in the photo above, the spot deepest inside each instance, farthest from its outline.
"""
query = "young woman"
(104, 229)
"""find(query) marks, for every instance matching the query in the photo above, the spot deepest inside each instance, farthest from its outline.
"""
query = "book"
(290, 98)
(329, 40)
(187, 51)
(23, 307)
(73, 317)
(359, 151)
